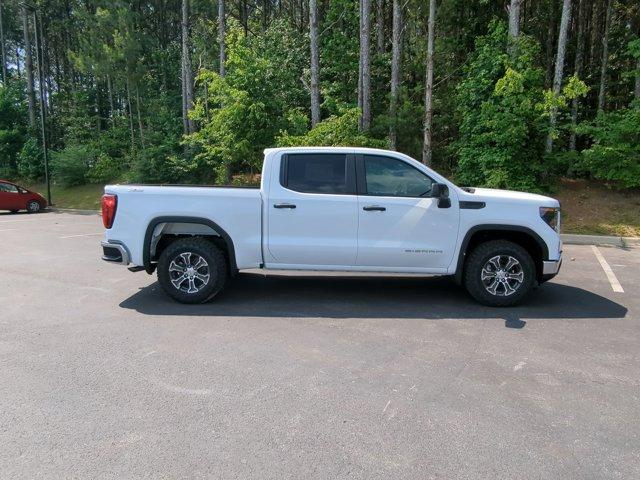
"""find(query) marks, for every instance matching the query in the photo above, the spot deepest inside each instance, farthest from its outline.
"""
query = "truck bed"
(140, 206)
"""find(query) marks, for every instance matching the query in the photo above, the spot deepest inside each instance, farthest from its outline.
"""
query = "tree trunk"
(636, 89)
(31, 96)
(111, 107)
(221, 38)
(396, 57)
(557, 76)
(46, 71)
(315, 66)
(578, 72)
(427, 154)
(365, 63)
(551, 35)
(602, 93)
(514, 18)
(4, 53)
(380, 25)
(130, 111)
(596, 21)
(186, 68)
(139, 117)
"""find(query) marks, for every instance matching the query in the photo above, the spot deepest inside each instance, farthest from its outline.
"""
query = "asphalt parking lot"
(315, 376)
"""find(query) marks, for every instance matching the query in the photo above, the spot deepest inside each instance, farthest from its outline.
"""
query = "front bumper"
(550, 268)
(115, 253)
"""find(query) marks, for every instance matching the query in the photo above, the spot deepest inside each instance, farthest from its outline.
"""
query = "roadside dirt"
(591, 207)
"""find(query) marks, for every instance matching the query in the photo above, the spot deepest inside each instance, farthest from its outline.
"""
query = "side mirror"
(441, 192)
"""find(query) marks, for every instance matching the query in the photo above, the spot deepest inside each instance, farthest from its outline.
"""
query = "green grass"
(84, 197)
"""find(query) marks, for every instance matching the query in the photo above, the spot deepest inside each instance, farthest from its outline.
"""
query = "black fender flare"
(493, 227)
(146, 250)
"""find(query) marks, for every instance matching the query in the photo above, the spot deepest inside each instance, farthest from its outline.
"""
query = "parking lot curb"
(574, 239)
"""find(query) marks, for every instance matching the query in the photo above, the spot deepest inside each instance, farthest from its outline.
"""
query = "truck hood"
(509, 196)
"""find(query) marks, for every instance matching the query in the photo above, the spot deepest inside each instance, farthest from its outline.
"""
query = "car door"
(312, 211)
(9, 197)
(400, 226)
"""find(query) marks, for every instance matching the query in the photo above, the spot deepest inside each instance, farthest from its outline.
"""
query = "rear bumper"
(115, 253)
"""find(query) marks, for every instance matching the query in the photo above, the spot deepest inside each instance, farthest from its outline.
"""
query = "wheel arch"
(178, 226)
(523, 236)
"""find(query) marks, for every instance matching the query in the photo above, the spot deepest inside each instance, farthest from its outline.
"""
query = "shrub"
(105, 169)
(70, 166)
(334, 131)
(615, 153)
(31, 161)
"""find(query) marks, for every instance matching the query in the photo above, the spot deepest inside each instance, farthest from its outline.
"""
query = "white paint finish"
(325, 232)
(410, 233)
(613, 280)
(321, 230)
(236, 210)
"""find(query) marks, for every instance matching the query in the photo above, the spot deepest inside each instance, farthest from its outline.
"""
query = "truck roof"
(327, 149)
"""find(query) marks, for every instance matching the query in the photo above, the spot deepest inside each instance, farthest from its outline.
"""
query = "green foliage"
(502, 105)
(31, 161)
(242, 113)
(334, 131)
(615, 152)
(105, 169)
(340, 52)
(70, 166)
(504, 110)
(114, 87)
(12, 129)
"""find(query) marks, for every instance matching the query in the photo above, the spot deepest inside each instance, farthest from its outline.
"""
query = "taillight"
(109, 206)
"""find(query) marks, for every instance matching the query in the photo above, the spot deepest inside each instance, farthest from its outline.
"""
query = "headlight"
(551, 216)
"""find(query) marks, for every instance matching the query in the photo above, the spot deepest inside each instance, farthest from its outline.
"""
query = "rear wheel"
(499, 273)
(33, 206)
(192, 270)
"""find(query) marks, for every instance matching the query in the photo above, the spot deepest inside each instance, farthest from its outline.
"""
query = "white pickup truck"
(335, 209)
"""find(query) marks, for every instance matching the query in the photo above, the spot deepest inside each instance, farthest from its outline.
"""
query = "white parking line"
(8, 230)
(613, 280)
(83, 235)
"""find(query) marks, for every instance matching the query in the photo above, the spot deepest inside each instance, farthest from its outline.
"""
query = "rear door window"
(326, 173)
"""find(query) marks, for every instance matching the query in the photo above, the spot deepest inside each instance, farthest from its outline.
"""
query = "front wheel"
(192, 270)
(33, 207)
(499, 273)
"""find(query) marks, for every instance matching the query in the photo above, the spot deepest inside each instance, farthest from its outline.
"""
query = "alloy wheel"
(189, 272)
(502, 275)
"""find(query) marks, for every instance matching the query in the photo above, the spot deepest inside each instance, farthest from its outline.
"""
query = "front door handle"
(284, 205)
(374, 208)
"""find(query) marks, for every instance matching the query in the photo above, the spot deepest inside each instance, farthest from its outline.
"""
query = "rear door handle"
(374, 208)
(284, 205)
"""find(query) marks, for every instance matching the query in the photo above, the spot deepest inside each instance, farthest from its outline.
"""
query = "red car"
(14, 198)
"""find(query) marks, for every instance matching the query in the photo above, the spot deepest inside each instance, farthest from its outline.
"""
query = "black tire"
(216, 267)
(33, 206)
(484, 257)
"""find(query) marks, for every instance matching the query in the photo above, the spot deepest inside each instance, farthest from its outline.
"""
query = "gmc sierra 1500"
(340, 209)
